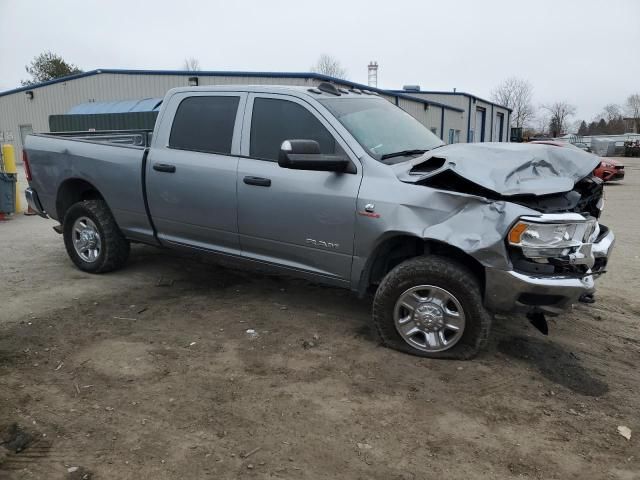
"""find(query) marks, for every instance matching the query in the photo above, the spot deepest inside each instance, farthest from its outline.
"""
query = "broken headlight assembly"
(555, 236)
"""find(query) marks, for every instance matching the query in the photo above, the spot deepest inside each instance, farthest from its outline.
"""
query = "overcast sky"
(582, 51)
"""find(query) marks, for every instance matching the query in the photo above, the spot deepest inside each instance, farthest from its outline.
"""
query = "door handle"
(259, 181)
(164, 167)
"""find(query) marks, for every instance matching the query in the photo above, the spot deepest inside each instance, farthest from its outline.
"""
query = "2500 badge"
(322, 243)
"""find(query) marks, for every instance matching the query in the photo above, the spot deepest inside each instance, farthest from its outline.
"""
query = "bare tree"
(541, 123)
(328, 65)
(633, 109)
(559, 113)
(516, 94)
(611, 112)
(191, 64)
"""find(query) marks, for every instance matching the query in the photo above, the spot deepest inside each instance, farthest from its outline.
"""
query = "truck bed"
(111, 162)
(136, 138)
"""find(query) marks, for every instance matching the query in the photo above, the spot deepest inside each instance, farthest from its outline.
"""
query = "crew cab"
(342, 187)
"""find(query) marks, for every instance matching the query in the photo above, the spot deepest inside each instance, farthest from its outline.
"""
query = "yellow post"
(9, 158)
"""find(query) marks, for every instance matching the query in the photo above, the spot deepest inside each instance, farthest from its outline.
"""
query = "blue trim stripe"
(307, 75)
(453, 93)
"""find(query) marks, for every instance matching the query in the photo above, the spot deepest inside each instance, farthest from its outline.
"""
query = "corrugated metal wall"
(18, 110)
(428, 115)
(461, 121)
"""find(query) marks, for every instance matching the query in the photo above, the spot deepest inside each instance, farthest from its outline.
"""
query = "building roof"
(122, 106)
(309, 75)
(464, 94)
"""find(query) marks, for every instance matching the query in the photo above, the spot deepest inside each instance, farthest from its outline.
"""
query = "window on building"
(274, 121)
(204, 124)
(454, 136)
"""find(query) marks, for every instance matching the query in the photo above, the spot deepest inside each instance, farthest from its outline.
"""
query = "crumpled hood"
(504, 168)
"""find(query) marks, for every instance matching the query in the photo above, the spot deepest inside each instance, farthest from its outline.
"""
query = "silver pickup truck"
(341, 187)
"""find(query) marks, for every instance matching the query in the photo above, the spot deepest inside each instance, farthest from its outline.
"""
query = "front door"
(499, 127)
(480, 121)
(191, 171)
(299, 219)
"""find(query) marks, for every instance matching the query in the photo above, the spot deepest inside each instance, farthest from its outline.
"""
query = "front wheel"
(92, 238)
(432, 307)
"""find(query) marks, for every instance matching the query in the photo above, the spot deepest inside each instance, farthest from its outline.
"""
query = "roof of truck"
(324, 89)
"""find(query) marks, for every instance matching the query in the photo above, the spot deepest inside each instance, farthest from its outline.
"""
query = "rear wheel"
(432, 307)
(92, 238)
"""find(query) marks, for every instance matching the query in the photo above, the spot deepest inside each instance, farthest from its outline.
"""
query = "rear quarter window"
(204, 124)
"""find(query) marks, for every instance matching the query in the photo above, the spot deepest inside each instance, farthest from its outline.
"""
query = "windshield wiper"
(403, 153)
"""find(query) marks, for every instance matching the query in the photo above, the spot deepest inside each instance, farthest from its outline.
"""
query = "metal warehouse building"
(484, 121)
(453, 117)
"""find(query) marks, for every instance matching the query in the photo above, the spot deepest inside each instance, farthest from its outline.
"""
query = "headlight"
(545, 240)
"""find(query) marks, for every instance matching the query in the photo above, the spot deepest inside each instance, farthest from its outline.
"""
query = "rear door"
(298, 219)
(191, 170)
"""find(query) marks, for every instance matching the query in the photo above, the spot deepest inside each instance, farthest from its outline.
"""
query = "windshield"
(380, 127)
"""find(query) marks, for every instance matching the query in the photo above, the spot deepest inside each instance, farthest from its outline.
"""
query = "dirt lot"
(150, 373)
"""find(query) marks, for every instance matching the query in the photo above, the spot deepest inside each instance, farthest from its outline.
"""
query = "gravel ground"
(149, 372)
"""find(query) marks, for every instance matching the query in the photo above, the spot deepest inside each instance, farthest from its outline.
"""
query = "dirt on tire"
(441, 272)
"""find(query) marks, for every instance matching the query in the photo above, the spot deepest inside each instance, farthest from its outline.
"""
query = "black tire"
(440, 272)
(114, 250)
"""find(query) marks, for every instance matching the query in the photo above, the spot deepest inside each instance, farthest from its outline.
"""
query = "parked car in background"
(345, 188)
(608, 170)
(582, 146)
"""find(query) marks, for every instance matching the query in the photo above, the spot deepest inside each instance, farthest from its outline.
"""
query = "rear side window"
(204, 124)
(274, 121)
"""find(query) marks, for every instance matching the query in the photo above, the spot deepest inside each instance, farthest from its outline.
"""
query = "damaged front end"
(561, 240)
(554, 253)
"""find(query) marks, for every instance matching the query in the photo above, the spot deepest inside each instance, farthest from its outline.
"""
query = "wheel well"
(396, 250)
(73, 191)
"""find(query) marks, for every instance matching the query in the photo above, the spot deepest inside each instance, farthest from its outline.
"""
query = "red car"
(609, 169)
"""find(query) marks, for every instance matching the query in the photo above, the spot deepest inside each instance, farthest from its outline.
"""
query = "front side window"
(204, 124)
(273, 121)
(380, 127)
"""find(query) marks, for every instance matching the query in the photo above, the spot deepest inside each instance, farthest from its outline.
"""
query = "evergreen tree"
(583, 130)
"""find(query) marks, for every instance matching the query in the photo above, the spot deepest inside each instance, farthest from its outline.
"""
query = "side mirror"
(305, 155)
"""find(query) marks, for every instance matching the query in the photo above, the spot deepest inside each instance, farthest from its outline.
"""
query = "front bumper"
(34, 202)
(618, 174)
(511, 291)
(613, 175)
